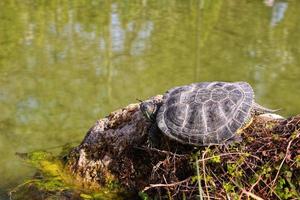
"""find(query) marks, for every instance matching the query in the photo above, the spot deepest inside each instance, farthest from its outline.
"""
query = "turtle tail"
(258, 109)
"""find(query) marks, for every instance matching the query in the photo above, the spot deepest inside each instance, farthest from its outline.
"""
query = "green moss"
(297, 161)
(46, 163)
(54, 182)
(144, 196)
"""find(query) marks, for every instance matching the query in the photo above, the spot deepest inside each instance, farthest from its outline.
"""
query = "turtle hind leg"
(258, 109)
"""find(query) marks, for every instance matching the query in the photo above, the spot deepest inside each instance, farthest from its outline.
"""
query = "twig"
(156, 167)
(227, 154)
(199, 181)
(259, 178)
(204, 173)
(165, 185)
(251, 195)
(160, 151)
(251, 188)
(282, 162)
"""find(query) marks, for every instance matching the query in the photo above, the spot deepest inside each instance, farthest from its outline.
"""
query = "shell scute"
(246, 107)
(228, 106)
(240, 117)
(234, 125)
(193, 117)
(196, 139)
(188, 97)
(225, 134)
(175, 115)
(236, 96)
(229, 87)
(219, 94)
(203, 95)
(173, 99)
(211, 138)
(214, 119)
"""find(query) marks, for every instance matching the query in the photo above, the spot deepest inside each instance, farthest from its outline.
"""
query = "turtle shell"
(205, 113)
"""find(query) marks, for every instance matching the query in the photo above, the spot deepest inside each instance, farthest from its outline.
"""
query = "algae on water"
(51, 181)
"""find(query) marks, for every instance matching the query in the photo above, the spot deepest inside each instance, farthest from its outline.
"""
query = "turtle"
(204, 113)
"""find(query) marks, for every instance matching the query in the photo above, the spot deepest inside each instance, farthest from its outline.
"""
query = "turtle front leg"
(154, 136)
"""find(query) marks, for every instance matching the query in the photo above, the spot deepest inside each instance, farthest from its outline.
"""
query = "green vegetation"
(53, 182)
(240, 172)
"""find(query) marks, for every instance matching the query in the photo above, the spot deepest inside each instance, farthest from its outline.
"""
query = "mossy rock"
(51, 181)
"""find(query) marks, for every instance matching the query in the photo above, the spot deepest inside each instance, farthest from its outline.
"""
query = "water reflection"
(64, 64)
(279, 9)
(117, 32)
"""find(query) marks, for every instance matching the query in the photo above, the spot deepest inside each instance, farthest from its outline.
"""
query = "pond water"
(64, 64)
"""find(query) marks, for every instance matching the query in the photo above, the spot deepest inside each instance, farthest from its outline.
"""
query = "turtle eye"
(148, 110)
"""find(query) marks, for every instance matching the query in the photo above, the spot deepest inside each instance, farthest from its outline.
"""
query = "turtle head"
(149, 110)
